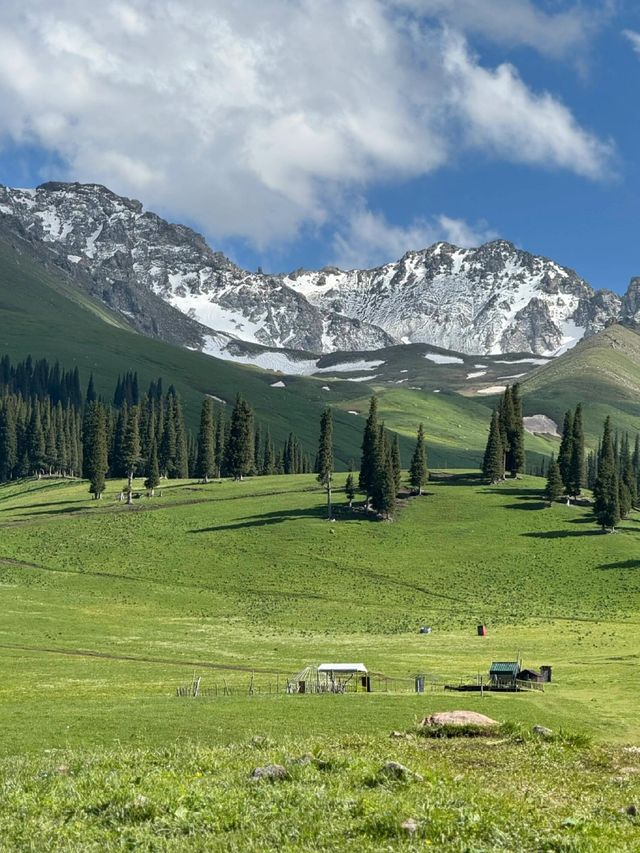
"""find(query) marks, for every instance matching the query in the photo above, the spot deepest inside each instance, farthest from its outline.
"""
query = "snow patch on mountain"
(439, 358)
(492, 299)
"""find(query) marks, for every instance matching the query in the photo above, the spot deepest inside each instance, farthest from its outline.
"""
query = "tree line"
(504, 451)
(380, 473)
(49, 427)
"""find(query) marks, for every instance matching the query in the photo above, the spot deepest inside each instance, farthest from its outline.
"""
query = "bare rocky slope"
(169, 283)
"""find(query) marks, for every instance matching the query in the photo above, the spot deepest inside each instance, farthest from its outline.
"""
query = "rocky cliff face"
(168, 282)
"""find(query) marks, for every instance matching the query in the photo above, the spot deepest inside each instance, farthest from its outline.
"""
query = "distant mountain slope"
(168, 283)
(603, 372)
(42, 313)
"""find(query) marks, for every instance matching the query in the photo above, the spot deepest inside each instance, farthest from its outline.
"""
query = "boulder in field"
(458, 718)
(271, 772)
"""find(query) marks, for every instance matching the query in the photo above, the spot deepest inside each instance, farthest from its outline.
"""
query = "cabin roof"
(342, 667)
(504, 667)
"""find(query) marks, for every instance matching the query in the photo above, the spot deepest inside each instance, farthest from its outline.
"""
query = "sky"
(305, 133)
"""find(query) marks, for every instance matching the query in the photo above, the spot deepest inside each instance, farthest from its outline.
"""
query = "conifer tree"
(95, 448)
(566, 450)
(221, 435)
(418, 472)
(181, 462)
(396, 462)
(91, 391)
(325, 455)
(368, 463)
(152, 469)
(350, 486)
(8, 442)
(555, 486)
(205, 462)
(576, 472)
(131, 450)
(240, 452)
(383, 498)
(606, 490)
(269, 456)
(516, 464)
(626, 479)
(493, 462)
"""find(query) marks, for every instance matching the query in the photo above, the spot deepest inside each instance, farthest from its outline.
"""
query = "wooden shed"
(503, 674)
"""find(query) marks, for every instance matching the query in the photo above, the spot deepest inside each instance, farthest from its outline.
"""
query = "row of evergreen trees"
(505, 444)
(379, 477)
(48, 427)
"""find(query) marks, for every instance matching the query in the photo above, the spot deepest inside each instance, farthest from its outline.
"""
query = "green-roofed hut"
(503, 674)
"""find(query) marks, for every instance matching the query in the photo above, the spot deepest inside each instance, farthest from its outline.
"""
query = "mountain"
(45, 314)
(602, 372)
(169, 283)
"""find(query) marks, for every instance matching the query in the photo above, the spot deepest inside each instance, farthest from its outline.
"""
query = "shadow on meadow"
(340, 513)
(621, 564)
(561, 534)
(528, 504)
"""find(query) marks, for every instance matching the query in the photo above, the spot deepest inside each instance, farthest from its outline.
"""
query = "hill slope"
(43, 315)
(602, 372)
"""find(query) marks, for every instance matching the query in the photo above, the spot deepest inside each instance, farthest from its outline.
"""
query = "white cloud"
(255, 119)
(517, 22)
(501, 114)
(369, 240)
(634, 38)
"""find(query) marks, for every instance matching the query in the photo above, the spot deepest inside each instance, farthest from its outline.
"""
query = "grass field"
(106, 610)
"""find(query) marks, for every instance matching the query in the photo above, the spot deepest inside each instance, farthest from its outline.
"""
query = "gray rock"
(271, 773)
(543, 731)
(410, 826)
(399, 773)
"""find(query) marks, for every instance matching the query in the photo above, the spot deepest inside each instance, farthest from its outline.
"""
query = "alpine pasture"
(107, 609)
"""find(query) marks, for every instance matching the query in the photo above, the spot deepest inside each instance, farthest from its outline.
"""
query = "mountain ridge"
(168, 282)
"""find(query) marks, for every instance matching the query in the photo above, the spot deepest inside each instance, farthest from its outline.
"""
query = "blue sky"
(304, 133)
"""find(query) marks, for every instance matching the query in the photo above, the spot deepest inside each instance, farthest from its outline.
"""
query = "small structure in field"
(331, 678)
(504, 674)
(482, 630)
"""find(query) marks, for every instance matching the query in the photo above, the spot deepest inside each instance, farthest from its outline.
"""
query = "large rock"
(270, 773)
(458, 718)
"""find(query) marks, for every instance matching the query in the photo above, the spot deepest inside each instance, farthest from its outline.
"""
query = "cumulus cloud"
(502, 114)
(634, 38)
(256, 119)
(369, 240)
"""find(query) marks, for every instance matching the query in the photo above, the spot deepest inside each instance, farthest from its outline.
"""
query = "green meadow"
(106, 610)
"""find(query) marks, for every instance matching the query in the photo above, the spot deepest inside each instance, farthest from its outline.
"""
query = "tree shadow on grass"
(560, 534)
(280, 516)
(528, 504)
(67, 510)
(622, 564)
(523, 494)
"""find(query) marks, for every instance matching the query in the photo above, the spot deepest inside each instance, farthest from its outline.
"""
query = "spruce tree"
(152, 469)
(350, 486)
(606, 490)
(418, 472)
(325, 455)
(131, 450)
(554, 487)
(576, 468)
(396, 462)
(181, 462)
(8, 442)
(626, 479)
(205, 461)
(269, 456)
(95, 448)
(517, 458)
(566, 451)
(383, 498)
(240, 451)
(493, 462)
(368, 463)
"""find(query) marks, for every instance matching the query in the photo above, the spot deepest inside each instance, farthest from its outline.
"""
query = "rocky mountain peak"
(490, 299)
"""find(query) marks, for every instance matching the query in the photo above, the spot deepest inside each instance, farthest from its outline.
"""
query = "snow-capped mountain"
(167, 281)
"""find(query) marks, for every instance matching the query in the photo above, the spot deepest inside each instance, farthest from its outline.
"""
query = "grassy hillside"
(602, 372)
(106, 610)
(42, 314)
(248, 576)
